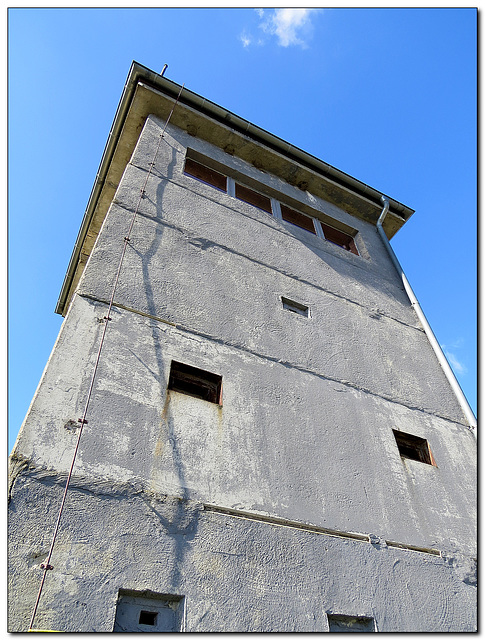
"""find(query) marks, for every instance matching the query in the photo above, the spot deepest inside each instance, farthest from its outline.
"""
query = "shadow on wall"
(178, 518)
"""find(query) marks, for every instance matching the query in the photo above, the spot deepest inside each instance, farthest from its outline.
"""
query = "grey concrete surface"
(235, 574)
(304, 433)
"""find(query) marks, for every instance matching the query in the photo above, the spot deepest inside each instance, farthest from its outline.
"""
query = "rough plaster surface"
(281, 429)
(304, 432)
(235, 574)
(247, 260)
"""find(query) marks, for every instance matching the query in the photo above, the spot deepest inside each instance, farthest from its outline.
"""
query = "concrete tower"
(269, 440)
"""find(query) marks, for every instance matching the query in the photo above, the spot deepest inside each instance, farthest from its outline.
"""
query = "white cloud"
(289, 25)
(246, 40)
(457, 366)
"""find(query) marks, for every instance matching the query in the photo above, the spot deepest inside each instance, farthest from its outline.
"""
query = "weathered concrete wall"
(304, 432)
(287, 441)
(188, 232)
(235, 574)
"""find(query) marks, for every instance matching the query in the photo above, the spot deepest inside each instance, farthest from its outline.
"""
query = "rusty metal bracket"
(82, 420)
(47, 567)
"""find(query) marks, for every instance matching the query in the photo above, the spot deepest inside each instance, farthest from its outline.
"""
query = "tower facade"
(269, 441)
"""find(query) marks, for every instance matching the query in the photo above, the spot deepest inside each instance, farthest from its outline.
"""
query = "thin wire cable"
(46, 564)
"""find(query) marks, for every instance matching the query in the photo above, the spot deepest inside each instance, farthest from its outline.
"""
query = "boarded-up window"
(340, 238)
(195, 382)
(350, 624)
(253, 197)
(414, 447)
(201, 172)
(297, 218)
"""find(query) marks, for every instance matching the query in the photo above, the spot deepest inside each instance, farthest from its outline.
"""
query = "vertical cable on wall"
(46, 566)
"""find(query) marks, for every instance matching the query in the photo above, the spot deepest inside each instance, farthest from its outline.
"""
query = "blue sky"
(386, 95)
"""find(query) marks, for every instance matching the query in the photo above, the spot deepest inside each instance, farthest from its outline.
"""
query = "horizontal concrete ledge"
(410, 547)
(22, 466)
(282, 522)
(130, 309)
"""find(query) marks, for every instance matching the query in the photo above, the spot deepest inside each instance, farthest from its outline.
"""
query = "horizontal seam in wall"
(247, 215)
(127, 490)
(275, 196)
(268, 358)
(283, 522)
(266, 265)
(411, 547)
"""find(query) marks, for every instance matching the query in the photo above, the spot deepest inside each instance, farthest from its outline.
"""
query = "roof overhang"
(146, 93)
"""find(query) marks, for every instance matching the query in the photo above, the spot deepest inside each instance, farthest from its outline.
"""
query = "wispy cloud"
(289, 26)
(457, 366)
(245, 39)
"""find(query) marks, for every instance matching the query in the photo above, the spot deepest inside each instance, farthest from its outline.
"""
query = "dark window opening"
(340, 238)
(413, 447)
(253, 197)
(295, 307)
(350, 624)
(148, 617)
(297, 218)
(195, 382)
(205, 174)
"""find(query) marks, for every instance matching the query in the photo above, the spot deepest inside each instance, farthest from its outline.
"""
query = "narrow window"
(205, 174)
(297, 218)
(148, 618)
(295, 307)
(350, 624)
(195, 382)
(253, 197)
(340, 238)
(413, 447)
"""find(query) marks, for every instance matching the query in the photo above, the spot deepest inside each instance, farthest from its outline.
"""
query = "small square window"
(350, 624)
(295, 307)
(340, 238)
(195, 382)
(205, 174)
(148, 617)
(413, 447)
(253, 197)
(297, 218)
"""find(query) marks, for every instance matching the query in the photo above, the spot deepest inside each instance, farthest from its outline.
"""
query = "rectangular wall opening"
(148, 618)
(340, 238)
(146, 611)
(195, 382)
(295, 307)
(350, 624)
(205, 174)
(253, 197)
(414, 447)
(297, 218)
